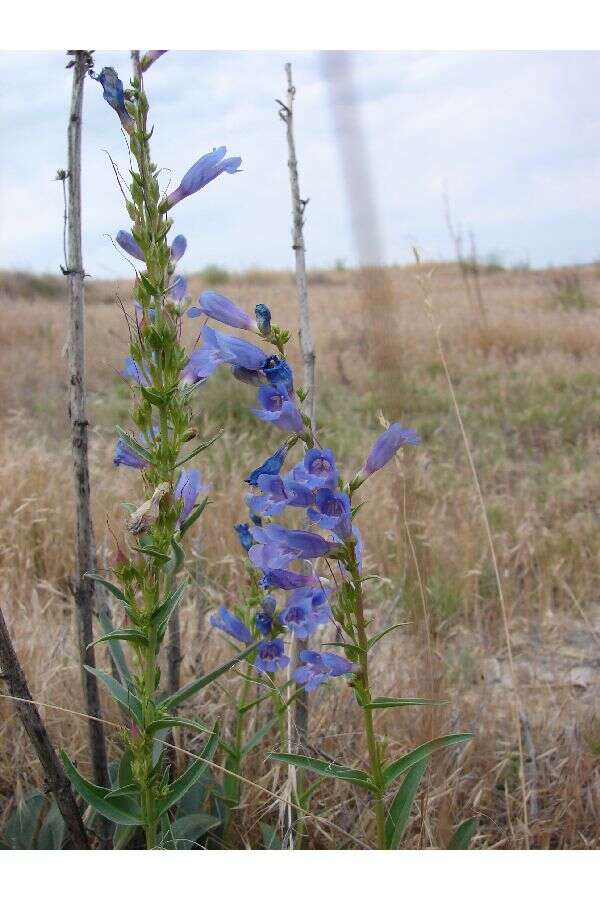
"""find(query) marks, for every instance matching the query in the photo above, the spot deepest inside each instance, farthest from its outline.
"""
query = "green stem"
(365, 696)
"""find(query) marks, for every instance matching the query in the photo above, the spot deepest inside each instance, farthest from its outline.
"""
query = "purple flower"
(278, 409)
(386, 445)
(318, 597)
(189, 484)
(287, 580)
(271, 466)
(277, 494)
(243, 532)
(264, 623)
(334, 512)
(178, 289)
(231, 625)
(112, 91)
(278, 372)
(247, 376)
(304, 611)
(125, 456)
(132, 370)
(271, 656)
(216, 306)
(178, 247)
(219, 348)
(150, 57)
(207, 168)
(317, 470)
(269, 556)
(263, 319)
(319, 668)
(304, 544)
(128, 243)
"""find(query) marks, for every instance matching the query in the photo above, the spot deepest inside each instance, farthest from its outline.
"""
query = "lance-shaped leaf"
(154, 553)
(189, 829)
(120, 810)
(134, 445)
(123, 634)
(258, 736)
(463, 835)
(162, 614)
(182, 784)
(114, 590)
(391, 772)
(397, 817)
(330, 770)
(116, 651)
(175, 721)
(193, 687)
(199, 449)
(390, 702)
(377, 637)
(124, 695)
(194, 516)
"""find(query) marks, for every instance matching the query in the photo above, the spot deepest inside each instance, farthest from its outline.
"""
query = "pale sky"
(515, 137)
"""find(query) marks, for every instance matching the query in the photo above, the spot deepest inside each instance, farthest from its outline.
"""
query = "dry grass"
(528, 388)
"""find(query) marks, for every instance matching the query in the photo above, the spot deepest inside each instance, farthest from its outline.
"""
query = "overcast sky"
(515, 137)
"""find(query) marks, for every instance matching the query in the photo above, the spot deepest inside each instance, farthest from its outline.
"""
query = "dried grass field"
(527, 380)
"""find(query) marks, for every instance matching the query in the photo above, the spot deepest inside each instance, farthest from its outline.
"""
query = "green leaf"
(257, 737)
(377, 637)
(194, 516)
(116, 651)
(162, 614)
(120, 810)
(463, 835)
(135, 445)
(154, 553)
(256, 702)
(153, 396)
(194, 686)
(271, 839)
(190, 776)
(330, 770)
(174, 722)
(122, 836)
(123, 694)
(389, 702)
(52, 832)
(203, 446)
(400, 765)
(128, 790)
(189, 828)
(178, 555)
(123, 634)
(117, 592)
(397, 817)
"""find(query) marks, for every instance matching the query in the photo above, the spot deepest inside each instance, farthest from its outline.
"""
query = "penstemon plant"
(145, 574)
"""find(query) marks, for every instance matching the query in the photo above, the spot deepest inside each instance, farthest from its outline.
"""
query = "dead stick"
(85, 561)
(56, 779)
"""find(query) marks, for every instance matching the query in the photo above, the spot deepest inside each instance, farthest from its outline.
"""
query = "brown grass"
(528, 388)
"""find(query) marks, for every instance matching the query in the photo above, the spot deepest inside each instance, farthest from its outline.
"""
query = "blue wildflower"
(112, 91)
(128, 243)
(319, 668)
(247, 376)
(269, 556)
(317, 469)
(318, 597)
(150, 57)
(334, 512)
(271, 466)
(386, 445)
(178, 289)
(178, 247)
(271, 656)
(219, 348)
(301, 615)
(189, 484)
(217, 306)
(278, 493)
(264, 623)
(131, 369)
(303, 544)
(287, 580)
(243, 532)
(231, 625)
(263, 319)
(278, 409)
(278, 372)
(125, 456)
(207, 168)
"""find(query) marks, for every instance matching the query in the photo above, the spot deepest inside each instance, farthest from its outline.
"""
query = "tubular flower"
(317, 470)
(189, 485)
(132, 370)
(178, 247)
(243, 532)
(125, 456)
(271, 466)
(178, 289)
(333, 512)
(287, 580)
(219, 348)
(271, 656)
(112, 91)
(217, 306)
(277, 494)
(128, 243)
(386, 445)
(278, 409)
(278, 372)
(263, 319)
(319, 668)
(303, 544)
(205, 170)
(299, 614)
(231, 625)
(268, 556)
